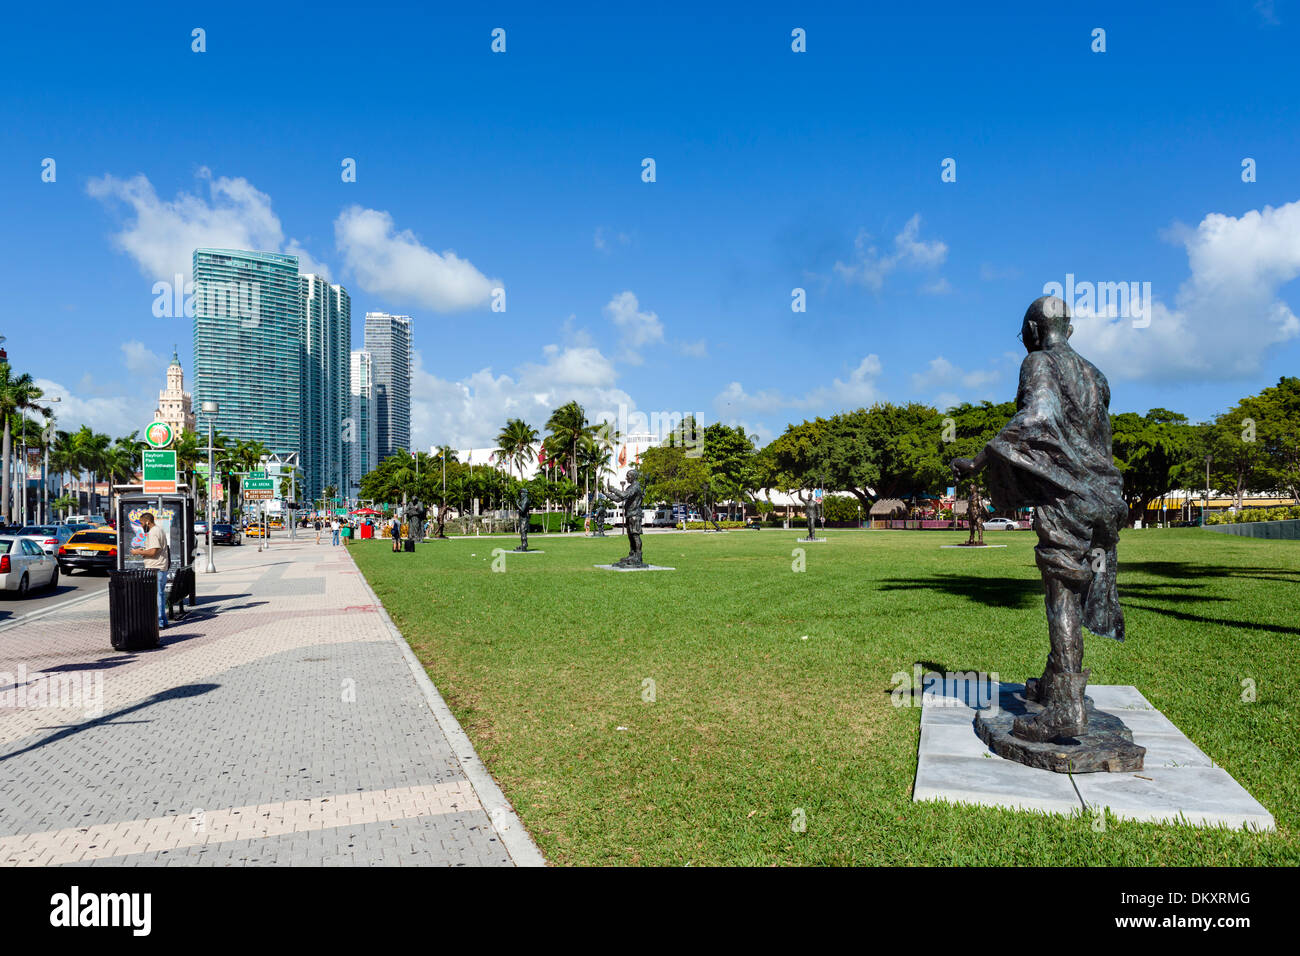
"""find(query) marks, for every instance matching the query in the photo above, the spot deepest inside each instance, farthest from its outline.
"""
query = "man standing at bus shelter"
(157, 554)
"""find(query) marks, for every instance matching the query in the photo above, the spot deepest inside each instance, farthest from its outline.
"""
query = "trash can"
(367, 531)
(408, 545)
(133, 609)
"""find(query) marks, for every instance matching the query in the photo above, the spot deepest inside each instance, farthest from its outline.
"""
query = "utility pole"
(210, 409)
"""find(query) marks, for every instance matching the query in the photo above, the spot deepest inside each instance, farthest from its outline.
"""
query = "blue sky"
(775, 170)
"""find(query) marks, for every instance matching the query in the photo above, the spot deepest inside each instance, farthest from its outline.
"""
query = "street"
(70, 587)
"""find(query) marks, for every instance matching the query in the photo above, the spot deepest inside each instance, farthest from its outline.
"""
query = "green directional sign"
(201, 468)
(259, 489)
(254, 474)
(159, 472)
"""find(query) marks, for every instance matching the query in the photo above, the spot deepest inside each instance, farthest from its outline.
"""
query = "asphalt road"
(70, 587)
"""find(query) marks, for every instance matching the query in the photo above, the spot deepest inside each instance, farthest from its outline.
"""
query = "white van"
(615, 516)
(660, 517)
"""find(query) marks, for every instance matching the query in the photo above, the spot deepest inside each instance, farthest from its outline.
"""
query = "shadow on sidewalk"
(176, 693)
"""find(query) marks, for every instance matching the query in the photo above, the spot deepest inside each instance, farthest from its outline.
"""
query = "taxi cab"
(89, 550)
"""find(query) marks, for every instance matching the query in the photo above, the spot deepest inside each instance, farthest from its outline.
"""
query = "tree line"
(885, 451)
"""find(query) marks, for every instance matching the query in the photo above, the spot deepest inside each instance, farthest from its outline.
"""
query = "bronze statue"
(1055, 455)
(706, 508)
(442, 521)
(810, 514)
(601, 503)
(975, 513)
(630, 497)
(522, 504)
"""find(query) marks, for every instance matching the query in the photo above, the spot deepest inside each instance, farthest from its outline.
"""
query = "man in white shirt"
(334, 526)
(157, 557)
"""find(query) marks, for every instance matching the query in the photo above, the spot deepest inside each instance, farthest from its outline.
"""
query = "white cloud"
(141, 361)
(859, 389)
(161, 235)
(471, 411)
(398, 267)
(114, 415)
(697, 349)
(637, 329)
(1226, 315)
(602, 242)
(871, 267)
(940, 372)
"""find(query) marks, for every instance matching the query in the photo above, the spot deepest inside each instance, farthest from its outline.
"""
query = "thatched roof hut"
(888, 508)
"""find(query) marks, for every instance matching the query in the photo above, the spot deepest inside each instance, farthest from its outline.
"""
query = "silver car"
(24, 565)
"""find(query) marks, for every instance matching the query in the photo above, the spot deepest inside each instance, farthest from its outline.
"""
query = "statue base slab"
(529, 551)
(626, 567)
(1178, 783)
(811, 540)
(1107, 745)
(972, 547)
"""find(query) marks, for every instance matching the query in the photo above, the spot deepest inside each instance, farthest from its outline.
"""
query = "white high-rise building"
(360, 438)
(388, 340)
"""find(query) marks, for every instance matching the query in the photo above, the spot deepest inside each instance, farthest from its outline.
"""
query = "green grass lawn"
(545, 665)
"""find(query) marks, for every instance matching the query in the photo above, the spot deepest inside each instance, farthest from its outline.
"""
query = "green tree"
(515, 443)
(1150, 451)
(17, 393)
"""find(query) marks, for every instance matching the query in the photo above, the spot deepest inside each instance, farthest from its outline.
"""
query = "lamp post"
(261, 538)
(45, 466)
(210, 409)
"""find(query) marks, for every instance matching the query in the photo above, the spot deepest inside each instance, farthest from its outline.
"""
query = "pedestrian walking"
(334, 526)
(395, 532)
(157, 554)
(318, 526)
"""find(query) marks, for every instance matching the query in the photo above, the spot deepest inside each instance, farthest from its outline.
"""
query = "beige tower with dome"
(175, 407)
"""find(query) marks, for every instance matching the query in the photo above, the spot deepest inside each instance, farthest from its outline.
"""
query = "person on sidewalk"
(334, 527)
(157, 554)
(395, 532)
(318, 530)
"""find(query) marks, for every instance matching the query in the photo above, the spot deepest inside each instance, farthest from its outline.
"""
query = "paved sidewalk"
(283, 721)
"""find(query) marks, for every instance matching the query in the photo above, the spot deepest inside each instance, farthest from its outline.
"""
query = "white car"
(25, 565)
(1000, 524)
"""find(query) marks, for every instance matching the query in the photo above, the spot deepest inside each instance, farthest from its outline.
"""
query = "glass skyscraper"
(327, 344)
(273, 346)
(388, 340)
(248, 345)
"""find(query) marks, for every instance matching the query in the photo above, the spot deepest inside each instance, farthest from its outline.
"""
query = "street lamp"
(45, 467)
(210, 409)
(262, 538)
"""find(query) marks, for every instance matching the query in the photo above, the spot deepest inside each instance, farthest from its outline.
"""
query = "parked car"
(661, 517)
(1000, 524)
(200, 526)
(90, 521)
(226, 534)
(48, 536)
(25, 565)
(94, 550)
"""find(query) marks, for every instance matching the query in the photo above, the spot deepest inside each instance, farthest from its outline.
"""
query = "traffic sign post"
(158, 469)
(259, 489)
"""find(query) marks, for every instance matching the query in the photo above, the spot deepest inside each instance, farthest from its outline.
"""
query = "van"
(660, 517)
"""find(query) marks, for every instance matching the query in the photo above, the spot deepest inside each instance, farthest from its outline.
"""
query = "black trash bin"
(408, 545)
(133, 609)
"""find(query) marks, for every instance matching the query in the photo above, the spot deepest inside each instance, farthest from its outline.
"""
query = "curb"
(34, 615)
(514, 836)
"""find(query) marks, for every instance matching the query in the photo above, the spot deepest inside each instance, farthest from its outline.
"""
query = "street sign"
(158, 434)
(259, 489)
(201, 468)
(159, 472)
(254, 474)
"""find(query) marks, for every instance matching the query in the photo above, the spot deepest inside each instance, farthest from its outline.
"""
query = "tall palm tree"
(16, 392)
(95, 453)
(516, 443)
(568, 426)
(63, 460)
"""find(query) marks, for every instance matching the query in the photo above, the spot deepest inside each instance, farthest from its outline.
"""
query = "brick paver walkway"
(283, 721)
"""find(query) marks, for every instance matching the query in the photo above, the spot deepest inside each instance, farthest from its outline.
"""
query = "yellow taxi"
(94, 549)
(253, 531)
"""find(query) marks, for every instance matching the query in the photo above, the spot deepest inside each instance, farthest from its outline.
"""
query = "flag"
(541, 456)
(622, 456)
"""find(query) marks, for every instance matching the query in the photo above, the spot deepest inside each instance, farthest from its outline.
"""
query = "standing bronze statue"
(1055, 456)
(601, 510)
(810, 514)
(975, 513)
(522, 504)
(442, 521)
(630, 498)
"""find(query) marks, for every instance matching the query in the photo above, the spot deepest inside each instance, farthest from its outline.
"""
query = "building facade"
(360, 438)
(327, 343)
(388, 340)
(175, 406)
(248, 344)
